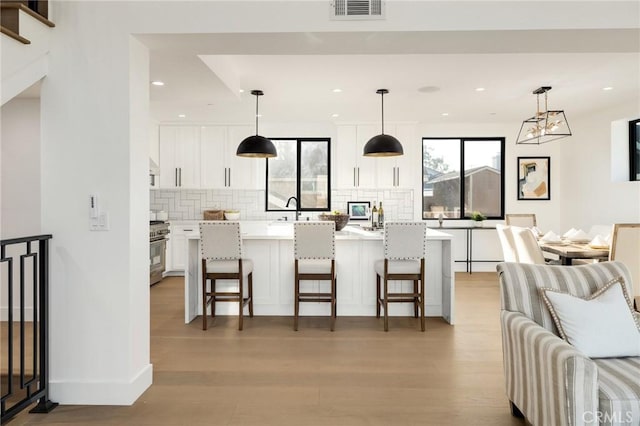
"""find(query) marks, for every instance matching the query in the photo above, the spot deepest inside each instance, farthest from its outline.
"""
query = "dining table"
(567, 251)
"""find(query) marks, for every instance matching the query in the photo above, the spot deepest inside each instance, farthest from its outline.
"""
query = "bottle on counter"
(374, 216)
(380, 216)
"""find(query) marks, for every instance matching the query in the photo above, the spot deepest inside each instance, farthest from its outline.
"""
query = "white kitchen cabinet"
(177, 246)
(179, 157)
(398, 171)
(220, 167)
(353, 170)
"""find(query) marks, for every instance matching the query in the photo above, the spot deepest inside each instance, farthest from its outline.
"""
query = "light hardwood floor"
(358, 375)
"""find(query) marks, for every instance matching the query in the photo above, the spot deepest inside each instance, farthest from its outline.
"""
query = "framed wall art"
(358, 210)
(534, 178)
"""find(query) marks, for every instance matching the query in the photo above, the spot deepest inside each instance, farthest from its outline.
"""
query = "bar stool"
(314, 259)
(404, 252)
(221, 252)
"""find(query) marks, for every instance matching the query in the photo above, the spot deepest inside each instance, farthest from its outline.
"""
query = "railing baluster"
(36, 386)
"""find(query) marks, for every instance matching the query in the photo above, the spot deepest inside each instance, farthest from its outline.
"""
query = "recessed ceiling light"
(258, 115)
(445, 114)
(337, 90)
(157, 83)
(607, 88)
(241, 90)
(492, 113)
(182, 115)
(428, 89)
(480, 89)
(335, 115)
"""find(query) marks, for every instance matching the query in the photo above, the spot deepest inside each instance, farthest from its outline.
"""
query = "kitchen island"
(270, 246)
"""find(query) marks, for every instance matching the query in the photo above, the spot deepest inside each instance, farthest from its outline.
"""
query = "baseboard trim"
(4, 314)
(102, 393)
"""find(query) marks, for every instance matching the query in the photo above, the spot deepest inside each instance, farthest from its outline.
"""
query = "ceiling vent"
(357, 9)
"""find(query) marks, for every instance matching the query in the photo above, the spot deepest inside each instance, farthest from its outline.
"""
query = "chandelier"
(545, 126)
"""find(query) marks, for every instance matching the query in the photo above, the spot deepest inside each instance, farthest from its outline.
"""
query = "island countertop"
(276, 230)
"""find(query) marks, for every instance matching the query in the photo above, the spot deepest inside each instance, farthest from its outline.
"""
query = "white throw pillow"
(600, 326)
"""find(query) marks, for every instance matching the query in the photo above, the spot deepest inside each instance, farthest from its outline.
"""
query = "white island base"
(270, 246)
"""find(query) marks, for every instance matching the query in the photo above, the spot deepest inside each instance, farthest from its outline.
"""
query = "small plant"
(477, 216)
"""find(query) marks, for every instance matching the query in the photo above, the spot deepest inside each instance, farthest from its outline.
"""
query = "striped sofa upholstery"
(547, 379)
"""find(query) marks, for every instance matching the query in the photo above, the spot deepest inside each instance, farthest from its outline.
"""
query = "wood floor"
(358, 375)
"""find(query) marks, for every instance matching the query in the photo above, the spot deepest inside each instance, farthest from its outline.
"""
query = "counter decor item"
(358, 210)
(478, 219)
(340, 219)
(213, 215)
(232, 214)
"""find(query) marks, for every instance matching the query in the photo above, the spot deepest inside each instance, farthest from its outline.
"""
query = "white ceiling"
(298, 72)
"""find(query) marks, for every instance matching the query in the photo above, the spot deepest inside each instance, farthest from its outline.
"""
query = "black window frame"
(634, 153)
(299, 141)
(463, 214)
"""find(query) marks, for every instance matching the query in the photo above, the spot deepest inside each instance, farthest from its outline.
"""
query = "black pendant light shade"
(383, 145)
(256, 146)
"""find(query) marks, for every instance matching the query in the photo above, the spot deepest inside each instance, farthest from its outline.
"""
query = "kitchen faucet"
(297, 206)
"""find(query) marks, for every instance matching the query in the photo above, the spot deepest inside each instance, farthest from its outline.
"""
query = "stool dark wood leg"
(204, 302)
(240, 302)
(251, 295)
(422, 321)
(333, 304)
(213, 298)
(377, 296)
(296, 299)
(386, 304)
(416, 300)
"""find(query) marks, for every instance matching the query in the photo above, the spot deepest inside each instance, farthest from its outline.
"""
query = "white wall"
(20, 168)
(20, 193)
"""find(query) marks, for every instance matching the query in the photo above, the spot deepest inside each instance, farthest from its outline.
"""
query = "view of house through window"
(300, 170)
(456, 195)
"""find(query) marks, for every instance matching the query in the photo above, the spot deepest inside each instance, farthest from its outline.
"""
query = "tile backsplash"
(188, 204)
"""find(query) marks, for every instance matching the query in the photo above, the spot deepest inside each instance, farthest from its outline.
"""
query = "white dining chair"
(524, 220)
(505, 234)
(314, 259)
(221, 253)
(527, 248)
(404, 259)
(625, 247)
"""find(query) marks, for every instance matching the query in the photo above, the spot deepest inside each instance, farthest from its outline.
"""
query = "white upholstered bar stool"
(505, 234)
(314, 259)
(221, 252)
(404, 253)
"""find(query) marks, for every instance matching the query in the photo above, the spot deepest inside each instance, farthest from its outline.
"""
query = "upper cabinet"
(220, 166)
(353, 170)
(179, 157)
(398, 172)
(205, 157)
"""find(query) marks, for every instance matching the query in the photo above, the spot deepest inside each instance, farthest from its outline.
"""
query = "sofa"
(549, 381)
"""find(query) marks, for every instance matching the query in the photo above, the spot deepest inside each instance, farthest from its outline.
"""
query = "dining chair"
(221, 253)
(314, 259)
(404, 259)
(625, 247)
(524, 220)
(505, 234)
(527, 248)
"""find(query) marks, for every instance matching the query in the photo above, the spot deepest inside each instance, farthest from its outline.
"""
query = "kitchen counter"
(270, 246)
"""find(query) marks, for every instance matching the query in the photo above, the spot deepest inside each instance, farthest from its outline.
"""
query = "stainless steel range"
(158, 231)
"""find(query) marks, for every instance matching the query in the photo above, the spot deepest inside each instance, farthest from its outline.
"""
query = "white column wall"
(94, 126)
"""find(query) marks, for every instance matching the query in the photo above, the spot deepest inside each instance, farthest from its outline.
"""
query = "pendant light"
(382, 145)
(256, 146)
(545, 126)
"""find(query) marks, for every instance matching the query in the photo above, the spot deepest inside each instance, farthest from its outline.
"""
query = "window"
(456, 195)
(634, 150)
(301, 169)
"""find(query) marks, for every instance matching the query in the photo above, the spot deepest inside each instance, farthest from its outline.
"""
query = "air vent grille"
(357, 9)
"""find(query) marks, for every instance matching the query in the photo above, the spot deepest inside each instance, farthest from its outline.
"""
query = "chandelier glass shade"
(544, 126)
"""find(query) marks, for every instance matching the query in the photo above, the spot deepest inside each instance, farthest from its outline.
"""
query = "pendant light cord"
(382, 95)
(257, 114)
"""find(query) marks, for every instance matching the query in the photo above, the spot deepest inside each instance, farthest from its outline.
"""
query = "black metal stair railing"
(25, 346)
